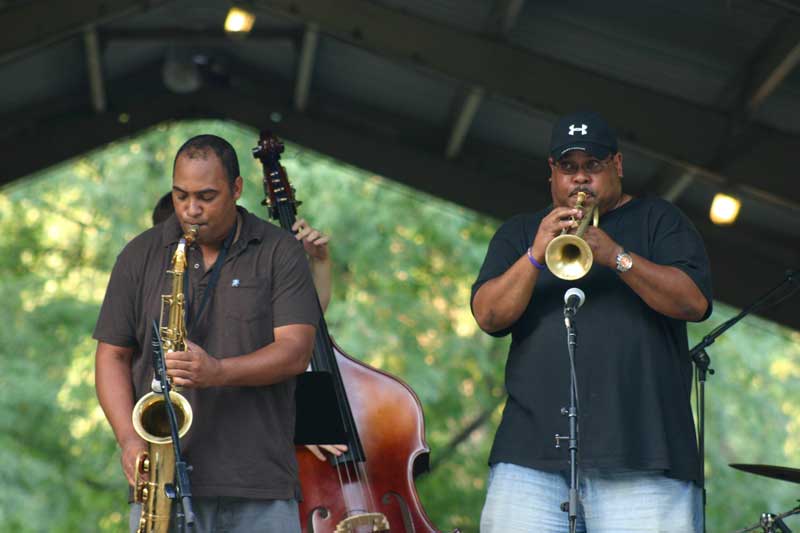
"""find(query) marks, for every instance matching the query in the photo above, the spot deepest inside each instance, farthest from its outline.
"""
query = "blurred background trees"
(403, 266)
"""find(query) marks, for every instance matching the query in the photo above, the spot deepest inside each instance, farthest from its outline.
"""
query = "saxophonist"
(250, 313)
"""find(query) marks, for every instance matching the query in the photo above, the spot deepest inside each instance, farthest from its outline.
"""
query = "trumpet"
(568, 256)
(150, 417)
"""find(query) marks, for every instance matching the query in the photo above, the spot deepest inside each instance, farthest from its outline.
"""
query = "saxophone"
(150, 419)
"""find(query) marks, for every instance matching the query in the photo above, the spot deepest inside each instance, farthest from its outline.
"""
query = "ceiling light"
(239, 21)
(724, 209)
(180, 72)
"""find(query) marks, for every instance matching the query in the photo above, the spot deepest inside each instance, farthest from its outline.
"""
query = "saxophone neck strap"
(212, 283)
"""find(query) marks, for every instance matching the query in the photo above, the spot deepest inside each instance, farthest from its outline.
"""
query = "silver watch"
(624, 262)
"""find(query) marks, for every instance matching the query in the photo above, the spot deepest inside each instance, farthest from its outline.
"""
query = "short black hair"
(163, 209)
(198, 147)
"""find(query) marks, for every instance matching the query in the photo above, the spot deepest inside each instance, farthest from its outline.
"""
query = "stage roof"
(453, 97)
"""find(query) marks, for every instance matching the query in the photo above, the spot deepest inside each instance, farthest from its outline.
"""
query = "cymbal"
(776, 472)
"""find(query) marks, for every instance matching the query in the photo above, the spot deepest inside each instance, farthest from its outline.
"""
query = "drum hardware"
(771, 523)
(792, 475)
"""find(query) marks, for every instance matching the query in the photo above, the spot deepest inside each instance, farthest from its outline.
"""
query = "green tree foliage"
(403, 266)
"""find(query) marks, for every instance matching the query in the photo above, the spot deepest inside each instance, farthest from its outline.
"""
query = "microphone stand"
(571, 506)
(702, 363)
(184, 514)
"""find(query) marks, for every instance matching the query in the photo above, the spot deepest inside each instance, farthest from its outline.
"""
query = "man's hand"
(551, 226)
(130, 451)
(194, 368)
(604, 248)
(314, 242)
(316, 247)
(333, 449)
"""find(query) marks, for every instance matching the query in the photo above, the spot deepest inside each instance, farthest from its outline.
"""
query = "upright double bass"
(370, 488)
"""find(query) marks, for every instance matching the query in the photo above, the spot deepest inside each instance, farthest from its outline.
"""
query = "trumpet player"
(251, 313)
(646, 275)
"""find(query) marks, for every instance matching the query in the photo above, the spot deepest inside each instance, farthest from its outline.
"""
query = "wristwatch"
(624, 261)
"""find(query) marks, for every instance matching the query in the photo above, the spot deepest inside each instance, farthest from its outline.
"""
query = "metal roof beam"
(305, 66)
(501, 19)
(761, 78)
(677, 187)
(466, 114)
(349, 131)
(678, 129)
(94, 66)
(33, 25)
(503, 16)
(774, 65)
(652, 119)
(177, 35)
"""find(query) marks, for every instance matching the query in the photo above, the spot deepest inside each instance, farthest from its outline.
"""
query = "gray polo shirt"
(241, 441)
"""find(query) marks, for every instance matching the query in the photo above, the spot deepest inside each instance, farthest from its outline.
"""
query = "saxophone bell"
(151, 422)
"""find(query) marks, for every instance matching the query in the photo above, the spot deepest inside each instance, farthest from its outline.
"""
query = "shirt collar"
(251, 230)
(171, 231)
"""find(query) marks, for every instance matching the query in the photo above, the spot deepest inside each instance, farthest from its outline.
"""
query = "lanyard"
(212, 283)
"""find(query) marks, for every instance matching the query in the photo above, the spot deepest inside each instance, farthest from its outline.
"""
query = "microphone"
(573, 300)
(158, 355)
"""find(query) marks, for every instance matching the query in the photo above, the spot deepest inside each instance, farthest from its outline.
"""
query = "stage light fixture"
(724, 209)
(239, 21)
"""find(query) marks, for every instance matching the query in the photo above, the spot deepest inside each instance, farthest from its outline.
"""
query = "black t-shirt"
(633, 367)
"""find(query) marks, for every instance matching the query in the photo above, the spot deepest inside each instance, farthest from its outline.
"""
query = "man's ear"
(238, 184)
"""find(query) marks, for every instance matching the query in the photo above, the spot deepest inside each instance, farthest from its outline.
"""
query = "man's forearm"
(666, 289)
(115, 392)
(321, 274)
(502, 300)
(270, 364)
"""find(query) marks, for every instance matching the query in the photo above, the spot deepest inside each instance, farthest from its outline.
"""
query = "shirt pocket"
(247, 313)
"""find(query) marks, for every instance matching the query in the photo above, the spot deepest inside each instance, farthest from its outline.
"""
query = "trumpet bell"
(568, 257)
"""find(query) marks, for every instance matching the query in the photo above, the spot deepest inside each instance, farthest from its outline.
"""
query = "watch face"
(624, 262)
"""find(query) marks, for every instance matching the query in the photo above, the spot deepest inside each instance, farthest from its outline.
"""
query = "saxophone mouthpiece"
(191, 235)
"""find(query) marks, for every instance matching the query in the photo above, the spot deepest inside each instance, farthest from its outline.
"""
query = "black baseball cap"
(586, 131)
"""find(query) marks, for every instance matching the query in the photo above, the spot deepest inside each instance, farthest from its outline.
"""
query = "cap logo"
(583, 130)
